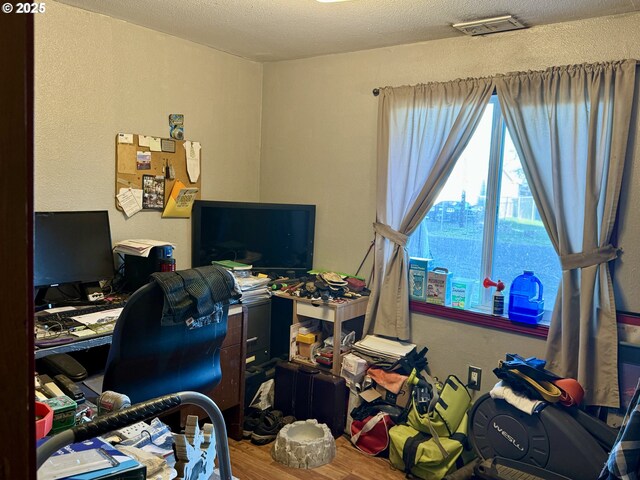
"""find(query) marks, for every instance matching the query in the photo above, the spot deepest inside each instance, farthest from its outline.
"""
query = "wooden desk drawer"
(322, 312)
(234, 331)
(227, 392)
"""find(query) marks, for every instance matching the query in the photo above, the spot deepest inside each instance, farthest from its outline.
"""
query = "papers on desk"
(139, 247)
(385, 348)
(98, 318)
(93, 458)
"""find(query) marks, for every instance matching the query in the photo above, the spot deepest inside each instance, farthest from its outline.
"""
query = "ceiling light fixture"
(489, 25)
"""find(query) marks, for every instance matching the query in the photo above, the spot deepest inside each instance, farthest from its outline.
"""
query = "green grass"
(512, 231)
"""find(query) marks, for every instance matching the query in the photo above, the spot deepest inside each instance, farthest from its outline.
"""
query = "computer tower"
(138, 269)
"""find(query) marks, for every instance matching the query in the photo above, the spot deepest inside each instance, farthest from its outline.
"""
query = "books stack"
(233, 266)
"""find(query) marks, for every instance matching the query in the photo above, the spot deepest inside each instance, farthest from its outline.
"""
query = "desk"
(337, 313)
(228, 394)
(77, 345)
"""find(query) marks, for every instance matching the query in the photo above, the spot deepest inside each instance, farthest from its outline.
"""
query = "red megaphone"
(487, 282)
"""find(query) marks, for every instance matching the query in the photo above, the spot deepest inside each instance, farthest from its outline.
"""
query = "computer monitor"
(72, 248)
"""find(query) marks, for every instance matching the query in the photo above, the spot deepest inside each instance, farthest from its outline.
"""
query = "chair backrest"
(147, 359)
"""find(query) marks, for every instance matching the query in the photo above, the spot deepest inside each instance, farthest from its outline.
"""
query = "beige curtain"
(570, 126)
(422, 130)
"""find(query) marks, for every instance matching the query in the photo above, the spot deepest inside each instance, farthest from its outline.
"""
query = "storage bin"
(44, 419)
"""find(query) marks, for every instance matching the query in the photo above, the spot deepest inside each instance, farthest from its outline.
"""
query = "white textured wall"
(96, 76)
(319, 146)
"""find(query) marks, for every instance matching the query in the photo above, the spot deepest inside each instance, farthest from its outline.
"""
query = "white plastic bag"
(263, 398)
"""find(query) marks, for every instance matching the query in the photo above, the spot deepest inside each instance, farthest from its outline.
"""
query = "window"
(485, 223)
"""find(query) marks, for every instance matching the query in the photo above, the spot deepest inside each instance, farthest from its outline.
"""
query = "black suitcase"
(306, 392)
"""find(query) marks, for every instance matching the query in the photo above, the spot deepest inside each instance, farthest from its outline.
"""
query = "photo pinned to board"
(143, 160)
(153, 192)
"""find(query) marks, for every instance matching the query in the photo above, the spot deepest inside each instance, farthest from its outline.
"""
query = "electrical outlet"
(475, 378)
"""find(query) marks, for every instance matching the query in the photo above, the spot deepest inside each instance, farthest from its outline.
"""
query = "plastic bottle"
(525, 298)
(498, 297)
(498, 303)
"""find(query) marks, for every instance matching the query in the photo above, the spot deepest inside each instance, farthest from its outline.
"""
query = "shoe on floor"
(269, 426)
(251, 421)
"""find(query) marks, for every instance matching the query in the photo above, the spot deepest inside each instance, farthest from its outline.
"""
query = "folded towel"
(518, 400)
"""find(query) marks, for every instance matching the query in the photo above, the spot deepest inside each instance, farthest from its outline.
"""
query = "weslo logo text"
(507, 436)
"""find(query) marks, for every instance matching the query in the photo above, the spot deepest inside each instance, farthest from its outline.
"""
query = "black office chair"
(148, 359)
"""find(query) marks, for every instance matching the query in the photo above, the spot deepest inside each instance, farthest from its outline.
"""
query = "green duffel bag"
(421, 454)
(446, 413)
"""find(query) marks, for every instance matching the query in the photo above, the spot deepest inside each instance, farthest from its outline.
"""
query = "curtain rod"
(376, 91)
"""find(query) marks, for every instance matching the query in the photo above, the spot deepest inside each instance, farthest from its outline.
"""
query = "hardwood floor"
(252, 462)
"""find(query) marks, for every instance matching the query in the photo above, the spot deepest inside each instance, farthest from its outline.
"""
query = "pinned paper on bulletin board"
(180, 201)
(130, 200)
(136, 160)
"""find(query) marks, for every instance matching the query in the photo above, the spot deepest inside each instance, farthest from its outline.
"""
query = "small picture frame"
(152, 192)
(167, 145)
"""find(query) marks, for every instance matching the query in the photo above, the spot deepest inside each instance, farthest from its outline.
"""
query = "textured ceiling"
(270, 30)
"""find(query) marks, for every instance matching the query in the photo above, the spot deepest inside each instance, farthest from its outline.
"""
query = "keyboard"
(62, 321)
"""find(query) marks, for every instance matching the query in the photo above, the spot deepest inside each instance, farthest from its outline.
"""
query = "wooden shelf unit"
(334, 312)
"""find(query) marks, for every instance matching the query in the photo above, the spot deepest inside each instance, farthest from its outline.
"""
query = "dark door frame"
(17, 427)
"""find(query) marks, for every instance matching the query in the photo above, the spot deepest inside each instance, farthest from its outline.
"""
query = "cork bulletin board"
(130, 171)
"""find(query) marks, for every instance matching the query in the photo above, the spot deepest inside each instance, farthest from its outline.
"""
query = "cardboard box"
(307, 326)
(418, 268)
(64, 413)
(461, 293)
(402, 398)
(306, 350)
(354, 364)
(353, 369)
(439, 286)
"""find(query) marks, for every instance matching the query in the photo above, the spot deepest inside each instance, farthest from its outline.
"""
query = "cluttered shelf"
(306, 313)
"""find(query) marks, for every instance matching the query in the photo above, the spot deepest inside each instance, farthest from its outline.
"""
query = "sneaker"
(251, 421)
(268, 428)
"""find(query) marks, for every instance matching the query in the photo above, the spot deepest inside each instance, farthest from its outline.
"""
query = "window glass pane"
(452, 231)
(522, 242)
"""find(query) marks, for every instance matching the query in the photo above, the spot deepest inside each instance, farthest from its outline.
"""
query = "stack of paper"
(139, 247)
(253, 288)
(380, 347)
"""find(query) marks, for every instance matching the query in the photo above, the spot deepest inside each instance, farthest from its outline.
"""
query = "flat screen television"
(271, 237)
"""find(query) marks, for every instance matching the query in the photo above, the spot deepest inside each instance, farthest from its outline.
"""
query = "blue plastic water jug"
(525, 299)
